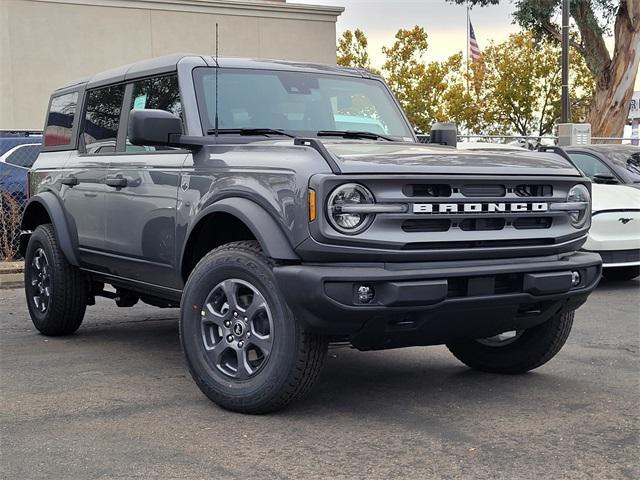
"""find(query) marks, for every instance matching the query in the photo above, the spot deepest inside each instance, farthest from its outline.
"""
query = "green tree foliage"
(521, 84)
(423, 89)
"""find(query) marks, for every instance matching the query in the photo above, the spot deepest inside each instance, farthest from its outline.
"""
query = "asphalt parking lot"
(115, 401)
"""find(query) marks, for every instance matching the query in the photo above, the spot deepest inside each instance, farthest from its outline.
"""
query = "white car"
(615, 230)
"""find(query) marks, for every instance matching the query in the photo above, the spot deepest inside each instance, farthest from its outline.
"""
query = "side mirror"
(154, 128)
(605, 179)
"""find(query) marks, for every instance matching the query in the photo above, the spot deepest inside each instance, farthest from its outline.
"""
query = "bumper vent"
(427, 225)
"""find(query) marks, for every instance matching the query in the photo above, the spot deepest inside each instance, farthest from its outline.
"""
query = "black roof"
(169, 63)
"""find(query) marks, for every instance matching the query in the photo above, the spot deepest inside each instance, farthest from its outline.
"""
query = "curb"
(11, 275)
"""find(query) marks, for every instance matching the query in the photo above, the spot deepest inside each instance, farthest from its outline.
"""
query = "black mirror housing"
(154, 127)
(605, 179)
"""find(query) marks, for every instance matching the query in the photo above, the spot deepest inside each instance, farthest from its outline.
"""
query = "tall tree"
(614, 75)
(520, 89)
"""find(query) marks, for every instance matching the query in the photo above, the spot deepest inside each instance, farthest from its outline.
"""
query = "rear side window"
(24, 156)
(59, 126)
(102, 117)
(161, 93)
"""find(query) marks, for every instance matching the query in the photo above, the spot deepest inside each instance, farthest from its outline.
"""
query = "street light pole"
(565, 116)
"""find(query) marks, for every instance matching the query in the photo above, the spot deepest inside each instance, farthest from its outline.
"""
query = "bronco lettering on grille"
(479, 207)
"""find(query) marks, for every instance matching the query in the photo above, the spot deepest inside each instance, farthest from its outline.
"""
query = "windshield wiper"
(251, 131)
(353, 134)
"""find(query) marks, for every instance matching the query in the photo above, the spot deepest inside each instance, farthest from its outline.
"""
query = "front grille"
(462, 216)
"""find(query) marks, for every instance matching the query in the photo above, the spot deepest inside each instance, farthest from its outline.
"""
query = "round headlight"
(349, 222)
(579, 194)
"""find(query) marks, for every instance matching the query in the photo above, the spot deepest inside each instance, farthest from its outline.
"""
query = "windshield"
(627, 158)
(297, 102)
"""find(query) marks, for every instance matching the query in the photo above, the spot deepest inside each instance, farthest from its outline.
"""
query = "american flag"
(474, 49)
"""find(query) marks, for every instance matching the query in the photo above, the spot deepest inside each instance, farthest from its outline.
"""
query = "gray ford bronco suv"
(285, 206)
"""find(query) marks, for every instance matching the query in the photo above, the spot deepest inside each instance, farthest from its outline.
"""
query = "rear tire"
(243, 346)
(532, 348)
(621, 274)
(56, 291)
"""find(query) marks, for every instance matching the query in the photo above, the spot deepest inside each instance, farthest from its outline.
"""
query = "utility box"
(574, 134)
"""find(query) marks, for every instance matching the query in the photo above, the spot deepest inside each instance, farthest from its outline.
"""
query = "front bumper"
(619, 258)
(435, 302)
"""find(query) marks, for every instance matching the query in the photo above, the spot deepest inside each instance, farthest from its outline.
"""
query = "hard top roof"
(169, 63)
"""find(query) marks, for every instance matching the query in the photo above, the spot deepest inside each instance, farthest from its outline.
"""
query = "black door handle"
(117, 181)
(70, 181)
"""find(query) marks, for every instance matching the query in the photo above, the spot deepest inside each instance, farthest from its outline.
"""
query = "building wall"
(47, 43)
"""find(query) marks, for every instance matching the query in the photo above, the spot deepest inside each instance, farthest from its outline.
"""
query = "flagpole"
(468, 48)
(468, 92)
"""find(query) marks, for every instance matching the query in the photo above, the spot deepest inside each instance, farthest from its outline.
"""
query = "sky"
(445, 23)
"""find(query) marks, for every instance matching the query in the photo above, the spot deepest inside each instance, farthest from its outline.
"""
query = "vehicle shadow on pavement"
(390, 382)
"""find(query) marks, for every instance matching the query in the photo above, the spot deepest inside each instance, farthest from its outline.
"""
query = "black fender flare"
(50, 202)
(269, 234)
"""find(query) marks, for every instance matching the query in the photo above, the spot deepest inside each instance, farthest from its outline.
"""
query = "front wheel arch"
(251, 222)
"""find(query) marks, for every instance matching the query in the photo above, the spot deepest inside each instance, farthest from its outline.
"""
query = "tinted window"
(24, 156)
(160, 93)
(102, 117)
(627, 158)
(590, 165)
(60, 120)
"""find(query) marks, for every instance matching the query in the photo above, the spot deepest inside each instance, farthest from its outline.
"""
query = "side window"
(160, 93)
(102, 118)
(24, 156)
(590, 165)
(62, 111)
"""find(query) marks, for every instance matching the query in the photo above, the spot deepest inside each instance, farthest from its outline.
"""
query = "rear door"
(85, 197)
(141, 212)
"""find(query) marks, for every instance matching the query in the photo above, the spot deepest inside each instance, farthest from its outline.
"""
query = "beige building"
(47, 43)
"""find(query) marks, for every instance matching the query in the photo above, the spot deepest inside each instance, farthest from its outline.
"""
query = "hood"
(614, 197)
(394, 157)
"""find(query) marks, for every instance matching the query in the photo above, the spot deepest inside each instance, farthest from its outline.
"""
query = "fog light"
(575, 278)
(365, 293)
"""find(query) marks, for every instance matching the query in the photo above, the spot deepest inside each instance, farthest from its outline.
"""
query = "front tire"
(56, 291)
(621, 274)
(526, 350)
(243, 346)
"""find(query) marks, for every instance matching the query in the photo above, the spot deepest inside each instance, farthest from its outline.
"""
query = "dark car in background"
(14, 167)
(612, 164)
(11, 138)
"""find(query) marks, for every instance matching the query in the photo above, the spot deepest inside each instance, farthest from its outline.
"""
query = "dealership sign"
(634, 111)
